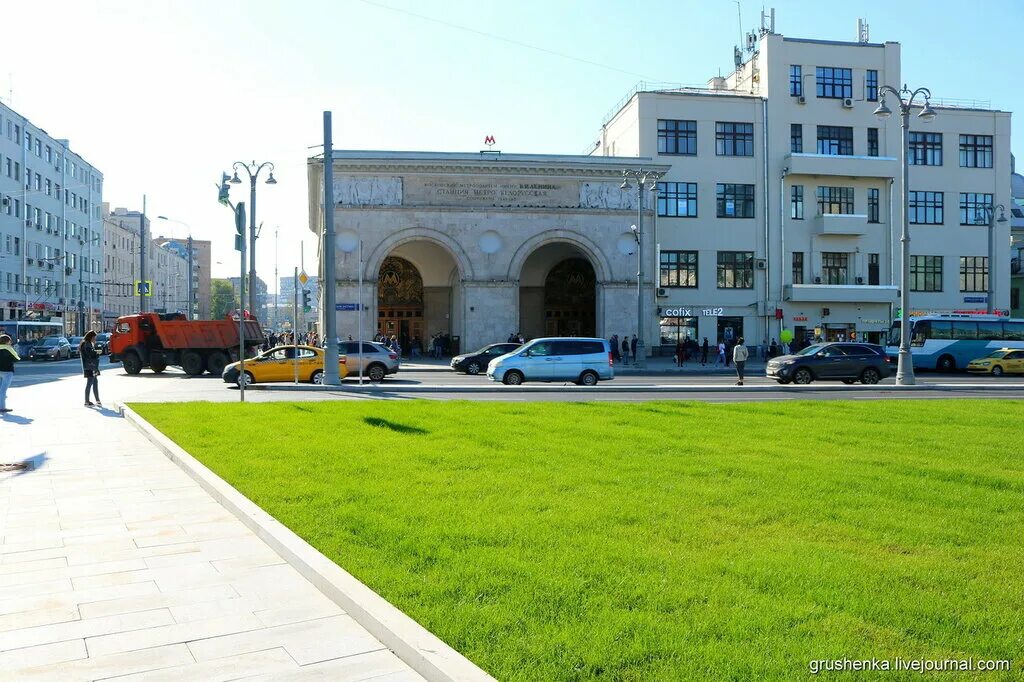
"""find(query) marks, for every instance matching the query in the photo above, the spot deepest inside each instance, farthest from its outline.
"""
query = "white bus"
(24, 333)
(949, 342)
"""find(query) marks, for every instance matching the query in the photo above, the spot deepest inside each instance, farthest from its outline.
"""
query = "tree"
(222, 299)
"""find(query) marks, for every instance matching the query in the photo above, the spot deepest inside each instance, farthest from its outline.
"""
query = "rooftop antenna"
(739, 17)
(767, 21)
(862, 31)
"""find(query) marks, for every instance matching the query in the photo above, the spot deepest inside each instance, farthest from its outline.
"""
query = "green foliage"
(222, 298)
(653, 541)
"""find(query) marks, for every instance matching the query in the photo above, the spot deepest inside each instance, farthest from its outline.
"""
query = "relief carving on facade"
(368, 191)
(606, 195)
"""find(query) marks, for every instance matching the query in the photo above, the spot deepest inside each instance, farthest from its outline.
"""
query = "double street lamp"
(991, 220)
(645, 179)
(253, 170)
(905, 97)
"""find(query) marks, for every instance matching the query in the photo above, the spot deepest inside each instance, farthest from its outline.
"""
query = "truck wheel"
(192, 363)
(215, 363)
(157, 362)
(131, 363)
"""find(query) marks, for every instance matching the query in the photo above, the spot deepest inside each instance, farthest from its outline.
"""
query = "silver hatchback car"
(583, 360)
(378, 361)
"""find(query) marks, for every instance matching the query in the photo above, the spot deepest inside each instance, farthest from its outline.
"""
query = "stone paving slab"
(115, 563)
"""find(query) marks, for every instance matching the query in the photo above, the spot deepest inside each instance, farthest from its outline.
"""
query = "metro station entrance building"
(480, 246)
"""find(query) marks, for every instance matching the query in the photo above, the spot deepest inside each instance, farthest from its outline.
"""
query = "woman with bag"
(8, 356)
(90, 367)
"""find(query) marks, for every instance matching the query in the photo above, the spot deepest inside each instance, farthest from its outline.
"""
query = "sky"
(163, 96)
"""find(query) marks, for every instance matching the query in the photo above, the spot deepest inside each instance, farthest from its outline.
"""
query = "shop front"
(715, 323)
(838, 322)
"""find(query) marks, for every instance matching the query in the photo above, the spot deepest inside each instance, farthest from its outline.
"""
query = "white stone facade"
(484, 231)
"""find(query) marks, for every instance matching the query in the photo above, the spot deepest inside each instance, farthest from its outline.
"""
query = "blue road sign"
(346, 306)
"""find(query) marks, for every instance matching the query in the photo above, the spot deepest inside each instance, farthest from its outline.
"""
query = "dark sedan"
(476, 362)
(846, 362)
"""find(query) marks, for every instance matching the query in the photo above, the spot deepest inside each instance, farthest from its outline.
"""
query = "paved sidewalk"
(114, 562)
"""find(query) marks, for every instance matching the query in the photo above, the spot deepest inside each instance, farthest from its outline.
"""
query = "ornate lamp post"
(644, 179)
(905, 97)
(991, 220)
(253, 169)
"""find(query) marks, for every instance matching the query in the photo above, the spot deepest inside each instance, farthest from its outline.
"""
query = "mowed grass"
(654, 541)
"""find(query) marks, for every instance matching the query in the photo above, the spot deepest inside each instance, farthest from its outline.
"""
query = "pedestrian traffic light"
(306, 307)
(222, 192)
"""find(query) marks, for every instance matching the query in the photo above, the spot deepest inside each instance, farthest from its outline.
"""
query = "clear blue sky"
(163, 95)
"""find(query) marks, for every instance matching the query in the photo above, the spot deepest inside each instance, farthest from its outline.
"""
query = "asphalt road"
(61, 384)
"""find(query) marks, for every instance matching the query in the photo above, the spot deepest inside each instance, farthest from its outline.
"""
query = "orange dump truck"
(160, 340)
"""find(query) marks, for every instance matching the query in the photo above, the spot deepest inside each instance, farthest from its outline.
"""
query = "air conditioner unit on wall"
(860, 280)
(762, 264)
(662, 293)
(817, 280)
(801, 100)
(848, 103)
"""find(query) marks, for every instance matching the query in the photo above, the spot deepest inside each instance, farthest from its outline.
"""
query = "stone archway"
(558, 292)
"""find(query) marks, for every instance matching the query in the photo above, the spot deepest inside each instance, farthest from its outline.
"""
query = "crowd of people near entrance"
(273, 339)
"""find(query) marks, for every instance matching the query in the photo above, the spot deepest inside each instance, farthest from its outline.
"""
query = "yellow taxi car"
(278, 364)
(999, 362)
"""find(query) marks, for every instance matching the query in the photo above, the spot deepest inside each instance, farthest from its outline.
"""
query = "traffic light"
(222, 193)
(306, 307)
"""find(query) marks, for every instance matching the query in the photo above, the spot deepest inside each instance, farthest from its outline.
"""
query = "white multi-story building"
(50, 236)
(166, 268)
(782, 206)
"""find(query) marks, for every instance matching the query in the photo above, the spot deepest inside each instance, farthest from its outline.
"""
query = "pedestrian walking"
(625, 347)
(739, 356)
(720, 358)
(632, 347)
(680, 353)
(773, 350)
(704, 352)
(8, 356)
(613, 342)
(90, 367)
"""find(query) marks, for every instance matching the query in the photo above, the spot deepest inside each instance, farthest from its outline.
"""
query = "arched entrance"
(417, 295)
(558, 293)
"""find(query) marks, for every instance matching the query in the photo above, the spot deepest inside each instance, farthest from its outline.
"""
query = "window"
(873, 204)
(834, 267)
(835, 200)
(677, 137)
(835, 140)
(926, 273)
(925, 208)
(925, 149)
(734, 139)
(872, 141)
(975, 151)
(678, 269)
(796, 138)
(735, 201)
(677, 199)
(798, 267)
(873, 275)
(871, 86)
(796, 80)
(796, 202)
(735, 269)
(973, 273)
(975, 208)
(834, 83)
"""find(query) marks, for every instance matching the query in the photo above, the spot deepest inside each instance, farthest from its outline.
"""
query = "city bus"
(25, 332)
(949, 342)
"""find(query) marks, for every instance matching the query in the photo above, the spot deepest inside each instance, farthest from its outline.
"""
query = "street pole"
(191, 293)
(991, 293)
(331, 374)
(644, 178)
(295, 321)
(359, 319)
(905, 361)
(253, 170)
(277, 285)
(240, 211)
(142, 256)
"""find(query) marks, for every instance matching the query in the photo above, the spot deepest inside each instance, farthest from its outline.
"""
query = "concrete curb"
(414, 644)
(377, 389)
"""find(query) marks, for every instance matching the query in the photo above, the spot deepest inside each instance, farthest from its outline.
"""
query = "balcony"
(839, 293)
(850, 166)
(841, 224)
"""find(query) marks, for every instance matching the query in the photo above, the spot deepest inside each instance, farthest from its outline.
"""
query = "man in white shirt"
(739, 356)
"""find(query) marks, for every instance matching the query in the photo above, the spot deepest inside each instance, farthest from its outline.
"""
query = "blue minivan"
(582, 360)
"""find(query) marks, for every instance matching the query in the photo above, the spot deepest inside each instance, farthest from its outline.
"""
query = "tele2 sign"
(690, 312)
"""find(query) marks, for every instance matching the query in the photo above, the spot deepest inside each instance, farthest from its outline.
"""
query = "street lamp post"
(253, 169)
(991, 220)
(645, 179)
(905, 97)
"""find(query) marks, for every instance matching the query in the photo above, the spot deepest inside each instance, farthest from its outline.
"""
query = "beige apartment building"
(782, 206)
(201, 261)
(165, 268)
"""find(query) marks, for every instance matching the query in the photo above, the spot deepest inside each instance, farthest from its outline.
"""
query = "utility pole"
(277, 283)
(142, 257)
(331, 374)
(253, 170)
(191, 293)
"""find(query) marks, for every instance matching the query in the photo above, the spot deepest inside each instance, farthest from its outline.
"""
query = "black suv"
(476, 362)
(846, 362)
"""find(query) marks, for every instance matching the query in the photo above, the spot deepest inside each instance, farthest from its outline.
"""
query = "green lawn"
(654, 541)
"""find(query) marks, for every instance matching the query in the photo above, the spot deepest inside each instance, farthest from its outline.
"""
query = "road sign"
(144, 287)
(346, 306)
(303, 278)
(240, 218)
